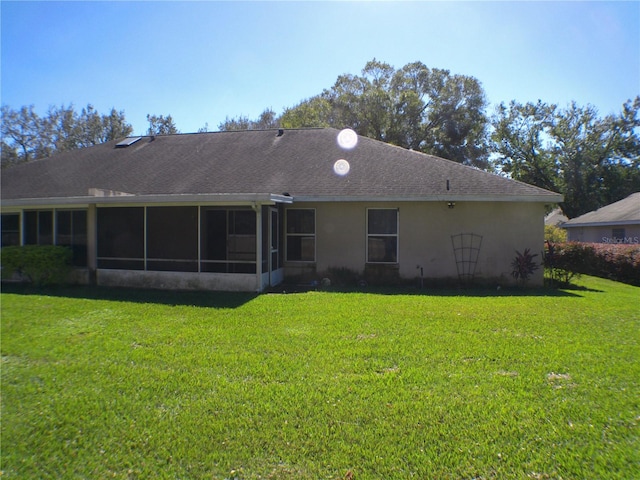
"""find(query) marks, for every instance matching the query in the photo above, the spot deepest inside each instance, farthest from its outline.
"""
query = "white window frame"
(395, 235)
(288, 235)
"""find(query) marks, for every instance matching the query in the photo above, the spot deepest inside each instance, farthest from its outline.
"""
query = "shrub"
(524, 265)
(555, 234)
(39, 264)
(614, 261)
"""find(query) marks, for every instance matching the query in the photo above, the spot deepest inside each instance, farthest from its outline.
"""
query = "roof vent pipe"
(280, 132)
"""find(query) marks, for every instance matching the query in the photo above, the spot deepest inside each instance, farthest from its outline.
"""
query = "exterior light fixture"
(451, 204)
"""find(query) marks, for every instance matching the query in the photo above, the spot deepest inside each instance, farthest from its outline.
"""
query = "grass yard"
(103, 384)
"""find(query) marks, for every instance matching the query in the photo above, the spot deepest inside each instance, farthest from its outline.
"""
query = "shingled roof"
(298, 162)
(623, 212)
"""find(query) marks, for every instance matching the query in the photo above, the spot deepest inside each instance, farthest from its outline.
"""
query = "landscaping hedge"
(39, 264)
(614, 261)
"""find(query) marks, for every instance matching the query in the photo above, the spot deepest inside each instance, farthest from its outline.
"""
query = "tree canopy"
(591, 160)
(161, 125)
(428, 110)
(27, 136)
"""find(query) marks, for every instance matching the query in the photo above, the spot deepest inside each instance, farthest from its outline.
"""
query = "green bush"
(614, 261)
(555, 234)
(39, 264)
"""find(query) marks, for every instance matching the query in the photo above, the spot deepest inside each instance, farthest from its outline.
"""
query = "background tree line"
(591, 160)
(27, 136)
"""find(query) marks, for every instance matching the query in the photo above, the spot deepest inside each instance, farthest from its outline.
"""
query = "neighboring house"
(245, 210)
(618, 222)
(555, 218)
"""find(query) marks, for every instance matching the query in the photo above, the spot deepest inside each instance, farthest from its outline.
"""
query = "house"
(618, 222)
(243, 210)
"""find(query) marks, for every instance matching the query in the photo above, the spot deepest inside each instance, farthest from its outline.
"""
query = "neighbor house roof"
(623, 212)
(555, 217)
(296, 164)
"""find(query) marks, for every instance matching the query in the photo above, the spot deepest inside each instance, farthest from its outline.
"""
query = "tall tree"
(160, 125)
(27, 136)
(428, 110)
(592, 161)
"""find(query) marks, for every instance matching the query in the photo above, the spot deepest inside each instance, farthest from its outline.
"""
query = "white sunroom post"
(258, 210)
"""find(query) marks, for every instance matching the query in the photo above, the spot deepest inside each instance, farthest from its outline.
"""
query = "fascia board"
(214, 199)
(547, 199)
(600, 224)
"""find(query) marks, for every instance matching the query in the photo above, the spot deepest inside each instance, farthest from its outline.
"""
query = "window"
(71, 231)
(301, 235)
(228, 241)
(10, 227)
(38, 227)
(121, 238)
(618, 235)
(172, 239)
(382, 235)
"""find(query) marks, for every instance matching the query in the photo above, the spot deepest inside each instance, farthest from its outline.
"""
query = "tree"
(160, 125)
(415, 107)
(267, 119)
(22, 138)
(592, 161)
(26, 136)
(114, 126)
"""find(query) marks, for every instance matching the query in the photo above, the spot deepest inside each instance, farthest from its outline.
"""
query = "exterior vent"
(280, 132)
(127, 142)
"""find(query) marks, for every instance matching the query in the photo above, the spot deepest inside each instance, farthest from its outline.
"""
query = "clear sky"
(204, 61)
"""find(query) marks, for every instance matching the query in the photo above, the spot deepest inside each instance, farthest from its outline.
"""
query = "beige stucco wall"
(425, 231)
(604, 234)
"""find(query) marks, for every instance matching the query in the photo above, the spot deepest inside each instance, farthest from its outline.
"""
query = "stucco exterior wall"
(424, 237)
(604, 234)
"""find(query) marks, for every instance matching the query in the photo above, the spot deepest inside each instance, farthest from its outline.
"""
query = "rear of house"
(244, 211)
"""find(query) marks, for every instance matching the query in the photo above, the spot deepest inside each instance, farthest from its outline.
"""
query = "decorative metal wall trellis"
(466, 248)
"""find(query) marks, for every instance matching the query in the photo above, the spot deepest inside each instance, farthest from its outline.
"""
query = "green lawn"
(322, 385)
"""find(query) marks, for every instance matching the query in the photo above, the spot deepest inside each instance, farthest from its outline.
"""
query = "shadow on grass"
(162, 297)
(237, 299)
(570, 291)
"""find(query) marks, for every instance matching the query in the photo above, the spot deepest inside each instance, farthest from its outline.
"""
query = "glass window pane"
(383, 249)
(383, 221)
(301, 221)
(301, 248)
(10, 229)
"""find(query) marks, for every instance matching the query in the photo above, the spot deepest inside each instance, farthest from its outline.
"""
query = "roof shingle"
(299, 162)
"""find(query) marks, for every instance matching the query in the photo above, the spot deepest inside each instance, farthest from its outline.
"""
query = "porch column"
(258, 210)
(92, 242)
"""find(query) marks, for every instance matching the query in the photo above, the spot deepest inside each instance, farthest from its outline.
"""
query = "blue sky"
(204, 61)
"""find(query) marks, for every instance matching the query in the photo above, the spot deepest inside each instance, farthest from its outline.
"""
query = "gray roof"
(299, 162)
(555, 217)
(623, 212)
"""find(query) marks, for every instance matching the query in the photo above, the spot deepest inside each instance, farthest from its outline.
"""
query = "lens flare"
(347, 139)
(341, 167)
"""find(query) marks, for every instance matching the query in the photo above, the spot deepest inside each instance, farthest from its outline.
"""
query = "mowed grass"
(322, 385)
